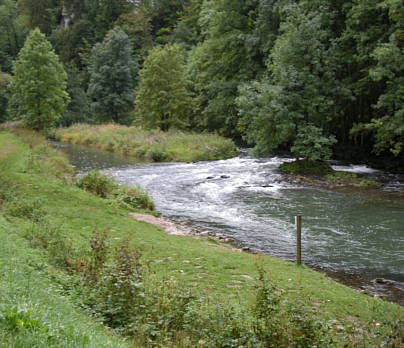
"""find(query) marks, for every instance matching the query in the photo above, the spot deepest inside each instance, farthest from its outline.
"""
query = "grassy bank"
(70, 256)
(148, 145)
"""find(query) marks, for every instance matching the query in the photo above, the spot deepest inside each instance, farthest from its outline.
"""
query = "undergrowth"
(306, 168)
(131, 197)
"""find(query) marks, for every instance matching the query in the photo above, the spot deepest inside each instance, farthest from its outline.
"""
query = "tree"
(162, 100)
(301, 92)
(12, 34)
(38, 85)
(42, 14)
(5, 80)
(78, 109)
(107, 13)
(387, 125)
(112, 77)
(222, 62)
(137, 25)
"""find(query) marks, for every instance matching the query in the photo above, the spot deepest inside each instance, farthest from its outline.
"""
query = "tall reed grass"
(150, 145)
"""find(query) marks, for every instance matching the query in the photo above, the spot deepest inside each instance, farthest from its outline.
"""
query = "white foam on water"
(360, 169)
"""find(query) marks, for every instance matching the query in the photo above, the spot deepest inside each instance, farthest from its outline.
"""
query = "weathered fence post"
(299, 239)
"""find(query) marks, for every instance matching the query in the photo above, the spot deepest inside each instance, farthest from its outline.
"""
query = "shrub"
(118, 295)
(306, 168)
(50, 237)
(367, 183)
(97, 183)
(134, 197)
(22, 208)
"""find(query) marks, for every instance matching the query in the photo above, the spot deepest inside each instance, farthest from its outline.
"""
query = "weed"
(99, 249)
(50, 237)
(367, 183)
(97, 183)
(119, 293)
(133, 197)
(19, 319)
(24, 208)
(126, 196)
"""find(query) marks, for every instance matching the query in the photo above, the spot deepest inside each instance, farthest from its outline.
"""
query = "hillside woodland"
(316, 78)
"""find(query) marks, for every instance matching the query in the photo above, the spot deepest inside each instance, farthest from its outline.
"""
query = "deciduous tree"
(112, 77)
(162, 100)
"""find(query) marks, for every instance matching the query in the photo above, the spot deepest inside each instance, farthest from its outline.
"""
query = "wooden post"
(299, 240)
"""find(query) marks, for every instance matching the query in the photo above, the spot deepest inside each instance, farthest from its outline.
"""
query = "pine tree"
(38, 86)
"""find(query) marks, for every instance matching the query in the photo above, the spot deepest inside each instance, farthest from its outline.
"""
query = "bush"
(306, 168)
(134, 197)
(22, 208)
(367, 183)
(97, 183)
(51, 238)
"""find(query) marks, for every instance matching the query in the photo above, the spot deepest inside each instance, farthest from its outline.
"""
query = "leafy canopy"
(38, 86)
(112, 77)
(162, 100)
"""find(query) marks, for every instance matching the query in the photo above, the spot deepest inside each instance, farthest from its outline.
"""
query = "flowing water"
(245, 199)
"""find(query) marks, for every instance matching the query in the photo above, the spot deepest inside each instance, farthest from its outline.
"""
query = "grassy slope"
(33, 310)
(202, 265)
(146, 145)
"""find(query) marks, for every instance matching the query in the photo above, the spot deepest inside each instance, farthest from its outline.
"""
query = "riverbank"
(386, 289)
(206, 295)
(149, 146)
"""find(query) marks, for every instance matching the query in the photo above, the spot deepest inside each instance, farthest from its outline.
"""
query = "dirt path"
(166, 225)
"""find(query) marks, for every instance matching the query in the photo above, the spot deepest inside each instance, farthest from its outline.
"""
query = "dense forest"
(317, 78)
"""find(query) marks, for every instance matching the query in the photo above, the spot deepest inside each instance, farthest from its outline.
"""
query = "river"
(356, 238)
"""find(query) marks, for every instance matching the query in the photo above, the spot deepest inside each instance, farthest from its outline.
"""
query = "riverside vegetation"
(316, 78)
(149, 145)
(321, 174)
(77, 271)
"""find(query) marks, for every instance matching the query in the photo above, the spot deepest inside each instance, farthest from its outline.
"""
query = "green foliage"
(112, 77)
(137, 25)
(38, 84)
(340, 176)
(367, 183)
(388, 126)
(107, 13)
(219, 64)
(42, 14)
(153, 145)
(78, 109)
(125, 196)
(306, 168)
(312, 145)
(22, 208)
(162, 100)
(97, 183)
(301, 89)
(167, 297)
(12, 34)
(133, 197)
(5, 81)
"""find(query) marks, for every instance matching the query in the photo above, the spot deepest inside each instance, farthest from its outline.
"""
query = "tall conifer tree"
(38, 87)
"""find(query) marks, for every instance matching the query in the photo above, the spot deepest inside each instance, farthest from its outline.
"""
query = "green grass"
(146, 145)
(34, 311)
(37, 292)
